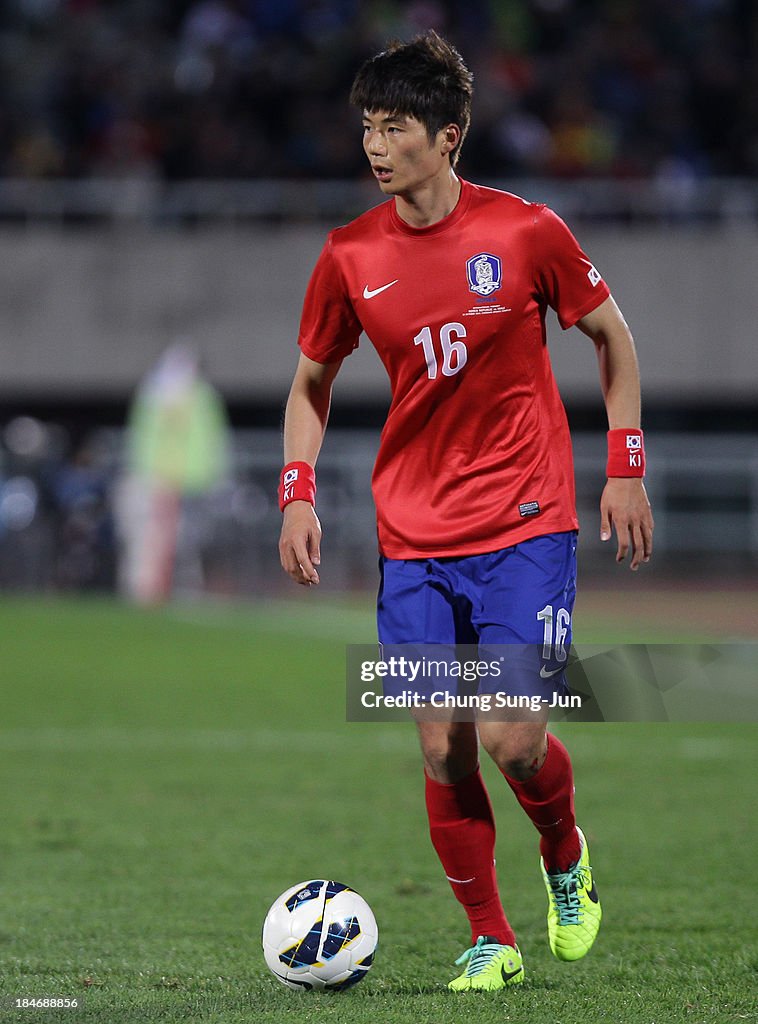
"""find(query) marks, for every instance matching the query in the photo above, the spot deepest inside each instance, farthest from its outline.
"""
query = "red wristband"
(626, 453)
(297, 483)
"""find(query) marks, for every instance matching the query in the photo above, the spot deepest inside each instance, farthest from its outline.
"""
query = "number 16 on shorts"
(556, 630)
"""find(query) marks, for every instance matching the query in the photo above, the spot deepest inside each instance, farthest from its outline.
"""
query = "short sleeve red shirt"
(475, 454)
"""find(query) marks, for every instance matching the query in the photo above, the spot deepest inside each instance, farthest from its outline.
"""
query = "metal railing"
(704, 490)
(704, 487)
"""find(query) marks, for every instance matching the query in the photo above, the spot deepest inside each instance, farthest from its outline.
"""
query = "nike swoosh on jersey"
(545, 673)
(369, 293)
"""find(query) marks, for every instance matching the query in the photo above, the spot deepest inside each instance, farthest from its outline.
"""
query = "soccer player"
(473, 482)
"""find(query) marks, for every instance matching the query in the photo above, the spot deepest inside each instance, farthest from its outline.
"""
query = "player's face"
(401, 156)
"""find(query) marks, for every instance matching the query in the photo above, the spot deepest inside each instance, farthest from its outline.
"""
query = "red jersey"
(475, 454)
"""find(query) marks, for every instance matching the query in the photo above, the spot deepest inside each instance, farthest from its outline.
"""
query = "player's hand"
(300, 542)
(624, 507)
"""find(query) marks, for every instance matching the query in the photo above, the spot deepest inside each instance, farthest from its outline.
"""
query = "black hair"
(426, 79)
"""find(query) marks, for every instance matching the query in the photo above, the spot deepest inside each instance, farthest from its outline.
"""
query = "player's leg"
(462, 830)
(524, 607)
(547, 796)
(416, 604)
(529, 607)
(538, 769)
(462, 825)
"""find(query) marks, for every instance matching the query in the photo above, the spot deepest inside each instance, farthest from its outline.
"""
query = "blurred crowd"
(57, 529)
(258, 88)
(145, 509)
(83, 511)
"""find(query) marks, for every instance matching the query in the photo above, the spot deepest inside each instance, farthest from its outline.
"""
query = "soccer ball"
(319, 934)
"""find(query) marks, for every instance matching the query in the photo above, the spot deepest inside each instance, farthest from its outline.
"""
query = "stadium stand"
(215, 89)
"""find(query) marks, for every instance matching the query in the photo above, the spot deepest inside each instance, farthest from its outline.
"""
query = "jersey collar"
(441, 225)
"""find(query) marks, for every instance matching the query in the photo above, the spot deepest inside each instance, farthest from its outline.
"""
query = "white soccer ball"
(319, 934)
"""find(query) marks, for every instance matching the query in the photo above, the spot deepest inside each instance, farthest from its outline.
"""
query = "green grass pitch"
(164, 775)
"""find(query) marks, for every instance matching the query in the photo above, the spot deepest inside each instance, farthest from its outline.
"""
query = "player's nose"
(375, 144)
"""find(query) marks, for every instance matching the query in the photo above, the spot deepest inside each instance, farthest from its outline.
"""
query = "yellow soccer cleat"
(573, 916)
(489, 966)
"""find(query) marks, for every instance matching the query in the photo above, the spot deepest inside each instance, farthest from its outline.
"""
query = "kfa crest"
(484, 273)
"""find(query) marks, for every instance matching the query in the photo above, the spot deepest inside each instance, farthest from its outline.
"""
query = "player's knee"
(448, 766)
(520, 766)
(519, 760)
(449, 757)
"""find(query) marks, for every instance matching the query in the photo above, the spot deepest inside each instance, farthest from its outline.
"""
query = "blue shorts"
(521, 596)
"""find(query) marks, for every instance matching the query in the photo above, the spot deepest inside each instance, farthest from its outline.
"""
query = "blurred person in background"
(177, 455)
(85, 543)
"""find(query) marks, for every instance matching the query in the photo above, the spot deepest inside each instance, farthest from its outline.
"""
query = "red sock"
(548, 799)
(462, 828)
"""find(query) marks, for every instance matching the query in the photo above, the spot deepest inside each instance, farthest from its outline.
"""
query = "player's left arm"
(624, 505)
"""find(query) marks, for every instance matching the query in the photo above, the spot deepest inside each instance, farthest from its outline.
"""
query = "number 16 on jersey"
(454, 352)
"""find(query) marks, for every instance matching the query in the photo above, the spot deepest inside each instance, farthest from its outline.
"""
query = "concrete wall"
(88, 310)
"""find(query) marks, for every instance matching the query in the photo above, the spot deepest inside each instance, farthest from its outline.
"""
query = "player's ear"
(451, 136)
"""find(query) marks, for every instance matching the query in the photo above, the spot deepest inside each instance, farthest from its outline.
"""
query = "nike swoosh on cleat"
(369, 293)
(507, 975)
(592, 893)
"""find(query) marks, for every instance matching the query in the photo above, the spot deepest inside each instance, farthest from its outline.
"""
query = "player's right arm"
(305, 420)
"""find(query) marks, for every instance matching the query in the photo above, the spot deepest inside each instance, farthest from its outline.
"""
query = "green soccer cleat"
(573, 916)
(489, 966)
